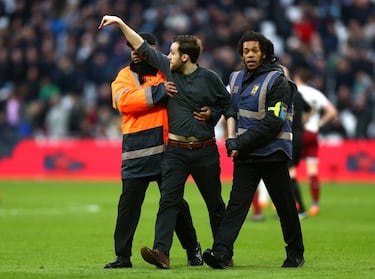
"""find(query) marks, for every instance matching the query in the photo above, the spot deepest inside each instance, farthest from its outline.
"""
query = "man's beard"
(143, 69)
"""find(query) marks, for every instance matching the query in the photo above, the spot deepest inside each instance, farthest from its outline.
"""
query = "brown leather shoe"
(155, 257)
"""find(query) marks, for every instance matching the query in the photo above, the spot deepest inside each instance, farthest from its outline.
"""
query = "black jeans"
(129, 211)
(203, 165)
(245, 182)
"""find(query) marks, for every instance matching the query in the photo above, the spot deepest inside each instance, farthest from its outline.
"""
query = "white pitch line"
(71, 209)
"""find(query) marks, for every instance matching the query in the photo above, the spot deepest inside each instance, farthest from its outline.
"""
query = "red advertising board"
(343, 161)
(63, 159)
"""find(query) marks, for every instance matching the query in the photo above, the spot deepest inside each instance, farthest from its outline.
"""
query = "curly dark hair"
(266, 46)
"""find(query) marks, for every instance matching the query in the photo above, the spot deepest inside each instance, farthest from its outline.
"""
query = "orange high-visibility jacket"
(144, 122)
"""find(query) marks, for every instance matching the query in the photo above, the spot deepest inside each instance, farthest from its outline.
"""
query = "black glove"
(231, 144)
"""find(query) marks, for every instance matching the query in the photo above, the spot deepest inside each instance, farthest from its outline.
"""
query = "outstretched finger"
(102, 23)
(106, 20)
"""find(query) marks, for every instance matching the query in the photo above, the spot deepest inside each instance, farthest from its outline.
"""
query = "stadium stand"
(56, 68)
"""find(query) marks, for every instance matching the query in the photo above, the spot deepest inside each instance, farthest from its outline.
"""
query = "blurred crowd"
(56, 68)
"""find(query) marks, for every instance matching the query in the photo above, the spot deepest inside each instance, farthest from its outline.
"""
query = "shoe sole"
(211, 261)
(118, 266)
(295, 266)
(149, 257)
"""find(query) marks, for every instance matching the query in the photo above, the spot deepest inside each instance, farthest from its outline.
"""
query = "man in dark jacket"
(263, 98)
(139, 98)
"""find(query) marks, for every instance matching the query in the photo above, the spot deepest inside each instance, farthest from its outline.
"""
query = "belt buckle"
(190, 145)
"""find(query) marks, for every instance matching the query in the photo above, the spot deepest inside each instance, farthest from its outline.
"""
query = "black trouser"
(177, 164)
(245, 182)
(129, 211)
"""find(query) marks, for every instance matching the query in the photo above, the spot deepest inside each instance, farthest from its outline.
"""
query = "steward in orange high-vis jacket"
(144, 121)
(138, 94)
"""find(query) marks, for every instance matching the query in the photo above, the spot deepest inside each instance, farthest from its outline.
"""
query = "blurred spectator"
(56, 121)
(58, 41)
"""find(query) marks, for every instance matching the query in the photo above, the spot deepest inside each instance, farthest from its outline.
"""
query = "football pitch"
(64, 229)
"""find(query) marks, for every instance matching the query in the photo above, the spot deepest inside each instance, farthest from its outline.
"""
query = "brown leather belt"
(191, 144)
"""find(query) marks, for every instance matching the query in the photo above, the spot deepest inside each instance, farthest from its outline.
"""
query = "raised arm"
(152, 56)
(131, 35)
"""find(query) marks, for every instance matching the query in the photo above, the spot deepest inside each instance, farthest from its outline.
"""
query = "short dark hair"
(266, 46)
(190, 45)
(148, 37)
(303, 73)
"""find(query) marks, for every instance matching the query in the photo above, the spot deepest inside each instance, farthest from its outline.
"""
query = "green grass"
(64, 229)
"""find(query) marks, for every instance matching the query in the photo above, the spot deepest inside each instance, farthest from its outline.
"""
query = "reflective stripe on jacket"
(251, 106)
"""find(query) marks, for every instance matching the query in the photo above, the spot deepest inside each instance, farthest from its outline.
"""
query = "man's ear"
(184, 57)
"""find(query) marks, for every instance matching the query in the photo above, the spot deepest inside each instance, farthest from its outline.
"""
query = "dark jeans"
(245, 182)
(177, 164)
(129, 211)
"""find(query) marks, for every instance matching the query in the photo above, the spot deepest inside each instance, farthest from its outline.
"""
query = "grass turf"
(64, 229)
